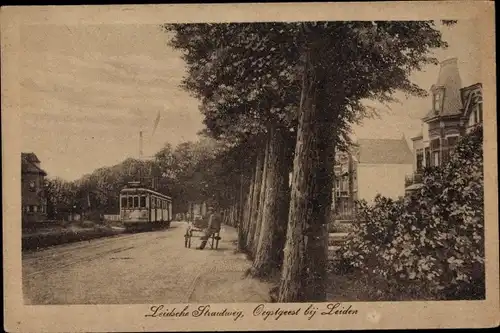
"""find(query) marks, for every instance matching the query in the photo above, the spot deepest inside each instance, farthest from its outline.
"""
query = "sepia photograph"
(188, 165)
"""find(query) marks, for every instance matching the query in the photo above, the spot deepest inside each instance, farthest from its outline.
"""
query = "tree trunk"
(234, 215)
(255, 200)
(231, 215)
(305, 256)
(243, 227)
(262, 198)
(241, 202)
(274, 219)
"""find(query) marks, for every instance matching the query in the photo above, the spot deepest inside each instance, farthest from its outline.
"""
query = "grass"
(42, 236)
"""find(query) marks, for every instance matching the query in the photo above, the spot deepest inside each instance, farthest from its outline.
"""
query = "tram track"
(53, 259)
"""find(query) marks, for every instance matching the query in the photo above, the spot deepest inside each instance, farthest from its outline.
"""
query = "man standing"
(214, 224)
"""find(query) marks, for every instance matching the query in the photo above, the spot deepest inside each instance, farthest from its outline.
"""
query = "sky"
(87, 91)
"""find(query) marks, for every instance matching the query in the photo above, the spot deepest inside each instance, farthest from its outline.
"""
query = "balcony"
(415, 178)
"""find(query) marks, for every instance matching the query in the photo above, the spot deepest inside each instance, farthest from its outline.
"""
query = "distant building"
(372, 166)
(454, 111)
(34, 201)
(197, 209)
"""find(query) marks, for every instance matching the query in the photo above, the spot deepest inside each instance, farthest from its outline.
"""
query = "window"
(143, 201)
(435, 158)
(130, 202)
(437, 102)
(445, 156)
(346, 207)
(435, 149)
(420, 159)
(427, 157)
(452, 140)
(345, 183)
(153, 202)
(124, 202)
(435, 144)
(476, 106)
(136, 201)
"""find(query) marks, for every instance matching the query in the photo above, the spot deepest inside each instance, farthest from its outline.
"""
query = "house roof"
(384, 151)
(449, 80)
(28, 164)
(31, 157)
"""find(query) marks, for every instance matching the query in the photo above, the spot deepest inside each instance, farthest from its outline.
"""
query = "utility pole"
(140, 144)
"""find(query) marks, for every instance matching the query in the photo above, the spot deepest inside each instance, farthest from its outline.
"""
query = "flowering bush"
(430, 242)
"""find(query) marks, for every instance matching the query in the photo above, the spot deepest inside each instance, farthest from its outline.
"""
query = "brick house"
(34, 201)
(371, 167)
(454, 111)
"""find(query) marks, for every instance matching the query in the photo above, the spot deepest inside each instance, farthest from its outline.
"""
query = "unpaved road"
(147, 267)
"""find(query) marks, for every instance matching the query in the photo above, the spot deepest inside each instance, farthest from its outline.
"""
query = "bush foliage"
(429, 243)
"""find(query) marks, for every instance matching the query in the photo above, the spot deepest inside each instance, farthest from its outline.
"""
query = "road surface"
(147, 267)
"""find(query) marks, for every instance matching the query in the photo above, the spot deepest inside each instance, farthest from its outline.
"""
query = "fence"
(109, 217)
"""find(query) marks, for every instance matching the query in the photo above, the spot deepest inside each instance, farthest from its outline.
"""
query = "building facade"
(454, 111)
(34, 200)
(371, 167)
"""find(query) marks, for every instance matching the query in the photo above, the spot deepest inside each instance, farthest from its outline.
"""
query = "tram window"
(153, 202)
(143, 201)
(130, 202)
(124, 202)
(136, 201)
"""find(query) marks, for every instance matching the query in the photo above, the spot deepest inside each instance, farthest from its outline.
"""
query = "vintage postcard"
(249, 167)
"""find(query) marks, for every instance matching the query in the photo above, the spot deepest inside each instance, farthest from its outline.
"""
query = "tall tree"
(343, 63)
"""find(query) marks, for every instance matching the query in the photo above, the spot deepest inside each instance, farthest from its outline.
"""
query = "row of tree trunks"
(231, 215)
(271, 228)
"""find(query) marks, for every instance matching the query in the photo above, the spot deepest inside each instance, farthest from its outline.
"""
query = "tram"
(141, 207)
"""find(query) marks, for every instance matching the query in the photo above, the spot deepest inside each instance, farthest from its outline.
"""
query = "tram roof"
(143, 189)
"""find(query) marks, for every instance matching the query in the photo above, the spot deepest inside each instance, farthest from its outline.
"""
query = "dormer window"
(437, 99)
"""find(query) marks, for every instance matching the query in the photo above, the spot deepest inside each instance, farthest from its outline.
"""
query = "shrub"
(430, 242)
